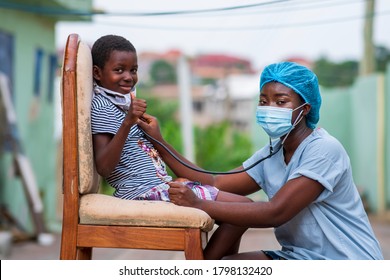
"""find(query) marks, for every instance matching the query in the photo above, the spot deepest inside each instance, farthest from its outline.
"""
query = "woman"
(313, 204)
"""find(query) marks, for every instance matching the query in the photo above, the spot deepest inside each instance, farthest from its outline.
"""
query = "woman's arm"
(294, 196)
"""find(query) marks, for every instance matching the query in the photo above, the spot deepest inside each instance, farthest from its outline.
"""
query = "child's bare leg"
(224, 242)
(226, 239)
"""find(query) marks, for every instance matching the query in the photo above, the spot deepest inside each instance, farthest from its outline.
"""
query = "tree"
(382, 56)
(331, 74)
(162, 72)
(215, 151)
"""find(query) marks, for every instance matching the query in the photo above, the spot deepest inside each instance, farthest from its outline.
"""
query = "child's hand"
(137, 109)
(149, 124)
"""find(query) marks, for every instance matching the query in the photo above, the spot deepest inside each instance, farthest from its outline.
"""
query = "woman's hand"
(182, 195)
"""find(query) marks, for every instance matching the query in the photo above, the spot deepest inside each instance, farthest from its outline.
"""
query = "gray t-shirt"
(335, 225)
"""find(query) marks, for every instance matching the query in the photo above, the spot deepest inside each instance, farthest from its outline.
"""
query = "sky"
(262, 31)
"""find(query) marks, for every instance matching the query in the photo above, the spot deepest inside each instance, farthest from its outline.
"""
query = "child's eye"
(134, 71)
(119, 70)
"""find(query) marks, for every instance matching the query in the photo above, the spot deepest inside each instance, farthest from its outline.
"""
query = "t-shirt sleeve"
(103, 118)
(257, 172)
(325, 162)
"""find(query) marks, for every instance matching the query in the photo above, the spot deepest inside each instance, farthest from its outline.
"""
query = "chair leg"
(193, 244)
(68, 246)
(84, 253)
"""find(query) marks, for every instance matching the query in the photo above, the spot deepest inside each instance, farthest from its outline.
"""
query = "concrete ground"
(254, 239)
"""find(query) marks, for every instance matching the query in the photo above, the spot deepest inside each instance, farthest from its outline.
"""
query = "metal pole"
(367, 64)
(186, 107)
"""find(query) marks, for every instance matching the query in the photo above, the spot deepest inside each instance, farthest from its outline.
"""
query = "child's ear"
(96, 73)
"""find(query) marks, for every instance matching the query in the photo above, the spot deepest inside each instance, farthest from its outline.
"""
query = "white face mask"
(123, 101)
(276, 121)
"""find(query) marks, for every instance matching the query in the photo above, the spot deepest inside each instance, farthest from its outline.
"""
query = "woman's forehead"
(277, 88)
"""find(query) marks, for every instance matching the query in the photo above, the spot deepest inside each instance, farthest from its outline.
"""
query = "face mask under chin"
(123, 101)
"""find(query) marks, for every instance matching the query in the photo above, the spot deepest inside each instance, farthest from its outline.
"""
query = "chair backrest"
(79, 114)
(89, 179)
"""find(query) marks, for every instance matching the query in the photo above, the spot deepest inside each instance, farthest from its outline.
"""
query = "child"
(123, 155)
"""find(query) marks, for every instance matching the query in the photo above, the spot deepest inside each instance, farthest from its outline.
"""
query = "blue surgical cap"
(300, 79)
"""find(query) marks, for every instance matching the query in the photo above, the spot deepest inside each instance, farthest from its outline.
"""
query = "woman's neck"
(293, 140)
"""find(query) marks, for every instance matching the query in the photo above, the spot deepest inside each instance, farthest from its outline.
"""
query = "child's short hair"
(105, 45)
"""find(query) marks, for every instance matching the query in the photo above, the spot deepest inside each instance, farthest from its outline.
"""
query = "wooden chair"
(93, 220)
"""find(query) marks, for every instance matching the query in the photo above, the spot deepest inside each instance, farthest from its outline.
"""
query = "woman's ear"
(96, 73)
(306, 109)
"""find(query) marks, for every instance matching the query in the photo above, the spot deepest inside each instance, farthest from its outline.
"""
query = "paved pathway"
(252, 240)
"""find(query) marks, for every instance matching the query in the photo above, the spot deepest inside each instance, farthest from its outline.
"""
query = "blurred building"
(218, 66)
(222, 86)
(232, 98)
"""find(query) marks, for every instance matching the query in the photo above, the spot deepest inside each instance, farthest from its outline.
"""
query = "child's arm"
(107, 147)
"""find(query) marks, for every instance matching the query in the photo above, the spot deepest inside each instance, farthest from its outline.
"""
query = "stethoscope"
(110, 94)
(271, 153)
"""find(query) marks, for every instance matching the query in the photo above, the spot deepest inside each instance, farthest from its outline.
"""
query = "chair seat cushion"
(101, 209)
